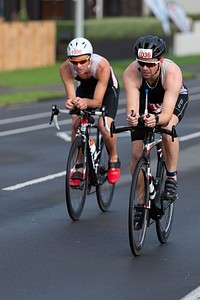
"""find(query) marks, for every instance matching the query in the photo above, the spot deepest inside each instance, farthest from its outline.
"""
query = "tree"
(23, 15)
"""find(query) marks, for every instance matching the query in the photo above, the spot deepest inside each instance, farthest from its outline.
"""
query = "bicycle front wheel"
(104, 190)
(75, 195)
(164, 223)
(138, 211)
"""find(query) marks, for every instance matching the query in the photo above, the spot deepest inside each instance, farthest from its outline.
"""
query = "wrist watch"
(157, 118)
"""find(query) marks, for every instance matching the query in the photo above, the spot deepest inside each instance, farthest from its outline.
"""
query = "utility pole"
(99, 9)
(79, 18)
(1, 9)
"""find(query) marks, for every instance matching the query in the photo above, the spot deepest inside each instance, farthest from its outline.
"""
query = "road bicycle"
(146, 204)
(94, 164)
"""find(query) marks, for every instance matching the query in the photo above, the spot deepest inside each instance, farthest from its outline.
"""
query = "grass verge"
(30, 85)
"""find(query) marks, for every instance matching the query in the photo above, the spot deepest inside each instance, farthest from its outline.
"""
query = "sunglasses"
(81, 61)
(149, 65)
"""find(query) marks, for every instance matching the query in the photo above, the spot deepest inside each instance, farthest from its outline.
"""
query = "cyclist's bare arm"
(172, 86)
(68, 81)
(102, 75)
(132, 84)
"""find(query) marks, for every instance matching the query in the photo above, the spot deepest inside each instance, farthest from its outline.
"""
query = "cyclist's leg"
(104, 190)
(76, 121)
(170, 154)
(110, 142)
(111, 104)
(171, 150)
(76, 175)
(137, 147)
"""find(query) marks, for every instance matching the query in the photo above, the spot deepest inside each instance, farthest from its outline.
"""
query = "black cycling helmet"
(156, 44)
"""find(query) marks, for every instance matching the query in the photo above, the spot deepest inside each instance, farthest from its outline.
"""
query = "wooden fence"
(25, 45)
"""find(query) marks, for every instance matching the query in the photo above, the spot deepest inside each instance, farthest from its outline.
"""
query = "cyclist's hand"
(132, 119)
(80, 103)
(149, 120)
(69, 104)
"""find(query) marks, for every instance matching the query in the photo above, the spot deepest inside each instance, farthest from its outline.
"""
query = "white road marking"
(25, 118)
(34, 181)
(64, 135)
(63, 122)
(189, 136)
(31, 128)
(67, 138)
(194, 295)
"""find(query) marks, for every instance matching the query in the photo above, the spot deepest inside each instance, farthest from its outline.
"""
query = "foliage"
(194, 17)
(34, 84)
(123, 27)
(113, 28)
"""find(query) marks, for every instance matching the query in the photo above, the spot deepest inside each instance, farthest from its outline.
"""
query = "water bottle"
(93, 149)
(152, 191)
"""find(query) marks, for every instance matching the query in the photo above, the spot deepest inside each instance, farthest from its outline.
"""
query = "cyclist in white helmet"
(167, 101)
(98, 86)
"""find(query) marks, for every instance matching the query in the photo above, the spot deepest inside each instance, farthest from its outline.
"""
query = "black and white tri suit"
(156, 96)
(87, 87)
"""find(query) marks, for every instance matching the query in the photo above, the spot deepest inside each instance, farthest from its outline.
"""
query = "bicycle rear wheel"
(104, 190)
(138, 211)
(164, 223)
(75, 195)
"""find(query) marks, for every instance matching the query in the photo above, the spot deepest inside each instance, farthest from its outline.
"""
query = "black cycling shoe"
(138, 217)
(170, 190)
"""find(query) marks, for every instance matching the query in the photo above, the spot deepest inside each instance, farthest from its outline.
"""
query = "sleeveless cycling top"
(156, 92)
(90, 83)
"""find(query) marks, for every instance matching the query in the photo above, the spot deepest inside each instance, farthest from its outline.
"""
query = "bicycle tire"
(137, 233)
(104, 190)
(75, 196)
(164, 223)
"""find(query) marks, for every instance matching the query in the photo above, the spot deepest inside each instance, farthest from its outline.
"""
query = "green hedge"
(113, 28)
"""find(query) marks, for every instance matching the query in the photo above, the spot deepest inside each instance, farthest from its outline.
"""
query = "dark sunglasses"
(149, 65)
(81, 61)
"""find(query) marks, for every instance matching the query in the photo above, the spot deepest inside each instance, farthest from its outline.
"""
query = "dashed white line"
(194, 295)
(67, 138)
(189, 136)
(34, 181)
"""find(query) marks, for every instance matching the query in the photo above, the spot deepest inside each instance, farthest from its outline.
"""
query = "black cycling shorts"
(179, 111)
(110, 100)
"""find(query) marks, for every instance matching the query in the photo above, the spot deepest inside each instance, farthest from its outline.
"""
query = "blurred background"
(112, 26)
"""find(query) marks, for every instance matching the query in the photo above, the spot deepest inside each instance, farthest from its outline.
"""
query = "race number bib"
(145, 53)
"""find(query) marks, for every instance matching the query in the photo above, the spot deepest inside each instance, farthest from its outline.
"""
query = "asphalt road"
(44, 255)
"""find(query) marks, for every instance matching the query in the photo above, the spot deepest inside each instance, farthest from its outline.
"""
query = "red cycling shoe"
(113, 171)
(76, 178)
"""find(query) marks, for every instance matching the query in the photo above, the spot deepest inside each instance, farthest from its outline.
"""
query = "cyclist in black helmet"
(167, 101)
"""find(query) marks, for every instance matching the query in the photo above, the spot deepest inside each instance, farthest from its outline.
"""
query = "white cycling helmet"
(79, 46)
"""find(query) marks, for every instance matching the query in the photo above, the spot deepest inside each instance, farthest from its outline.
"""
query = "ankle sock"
(171, 174)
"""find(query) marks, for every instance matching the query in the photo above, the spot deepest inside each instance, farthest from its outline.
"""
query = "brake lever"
(174, 133)
(105, 123)
(54, 112)
(133, 114)
(112, 128)
(54, 116)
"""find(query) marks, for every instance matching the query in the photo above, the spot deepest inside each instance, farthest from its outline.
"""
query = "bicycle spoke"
(164, 223)
(138, 211)
(75, 189)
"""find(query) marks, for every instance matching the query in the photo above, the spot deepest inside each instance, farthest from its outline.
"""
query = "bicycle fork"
(152, 191)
